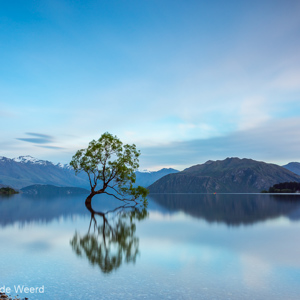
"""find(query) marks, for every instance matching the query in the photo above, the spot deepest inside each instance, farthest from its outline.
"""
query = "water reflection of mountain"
(25, 209)
(232, 209)
(224, 208)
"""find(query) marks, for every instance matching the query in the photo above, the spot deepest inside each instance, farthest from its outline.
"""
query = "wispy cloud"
(34, 140)
(194, 89)
(7, 114)
(46, 136)
(51, 147)
(37, 139)
(273, 141)
(288, 80)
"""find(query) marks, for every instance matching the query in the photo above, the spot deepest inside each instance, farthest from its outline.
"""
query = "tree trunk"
(88, 200)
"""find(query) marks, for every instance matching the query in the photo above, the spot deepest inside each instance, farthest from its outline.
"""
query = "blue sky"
(186, 81)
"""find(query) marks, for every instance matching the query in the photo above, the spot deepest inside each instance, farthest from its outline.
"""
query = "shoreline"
(3, 296)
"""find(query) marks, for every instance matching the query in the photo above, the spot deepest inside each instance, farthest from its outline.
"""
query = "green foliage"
(8, 191)
(285, 187)
(112, 165)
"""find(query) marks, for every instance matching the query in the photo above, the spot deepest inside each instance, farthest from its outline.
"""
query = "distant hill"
(40, 189)
(293, 167)
(26, 170)
(232, 175)
(147, 178)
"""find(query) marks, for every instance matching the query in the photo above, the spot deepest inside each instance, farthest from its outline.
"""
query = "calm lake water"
(185, 246)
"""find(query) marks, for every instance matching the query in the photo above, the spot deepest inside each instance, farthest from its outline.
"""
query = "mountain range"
(51, 190)
(25, 171)
(147, 178)
(232, 175)
(293, 167)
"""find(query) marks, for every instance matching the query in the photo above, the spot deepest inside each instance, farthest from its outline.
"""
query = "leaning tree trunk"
(88, 200)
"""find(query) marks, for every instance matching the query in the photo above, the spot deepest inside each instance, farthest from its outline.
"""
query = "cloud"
(274, 141)
(37, 139)
(39, 135)
(41, 140)
(289, 80)
(34, 140)
(252, 112)
(7, 114)
(51, 147)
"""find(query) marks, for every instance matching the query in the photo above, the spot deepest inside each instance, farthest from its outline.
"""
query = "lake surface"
(185, 246)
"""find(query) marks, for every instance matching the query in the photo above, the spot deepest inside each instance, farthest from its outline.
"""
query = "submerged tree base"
(88, 201)
(139, 194)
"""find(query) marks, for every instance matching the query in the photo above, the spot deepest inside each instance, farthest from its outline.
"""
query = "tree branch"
(124, 199)
(95, 179)
(90, 179)
(112, 187)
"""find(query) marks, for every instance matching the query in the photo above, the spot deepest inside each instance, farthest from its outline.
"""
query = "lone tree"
(110, 167)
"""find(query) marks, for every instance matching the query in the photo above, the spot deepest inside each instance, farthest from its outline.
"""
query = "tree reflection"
(114, 241)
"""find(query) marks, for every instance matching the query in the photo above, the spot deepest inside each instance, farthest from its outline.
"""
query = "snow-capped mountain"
(64, 166)
(33, 160)
(29, 159)
(147, 178)
(144, 171)
(26, 170)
